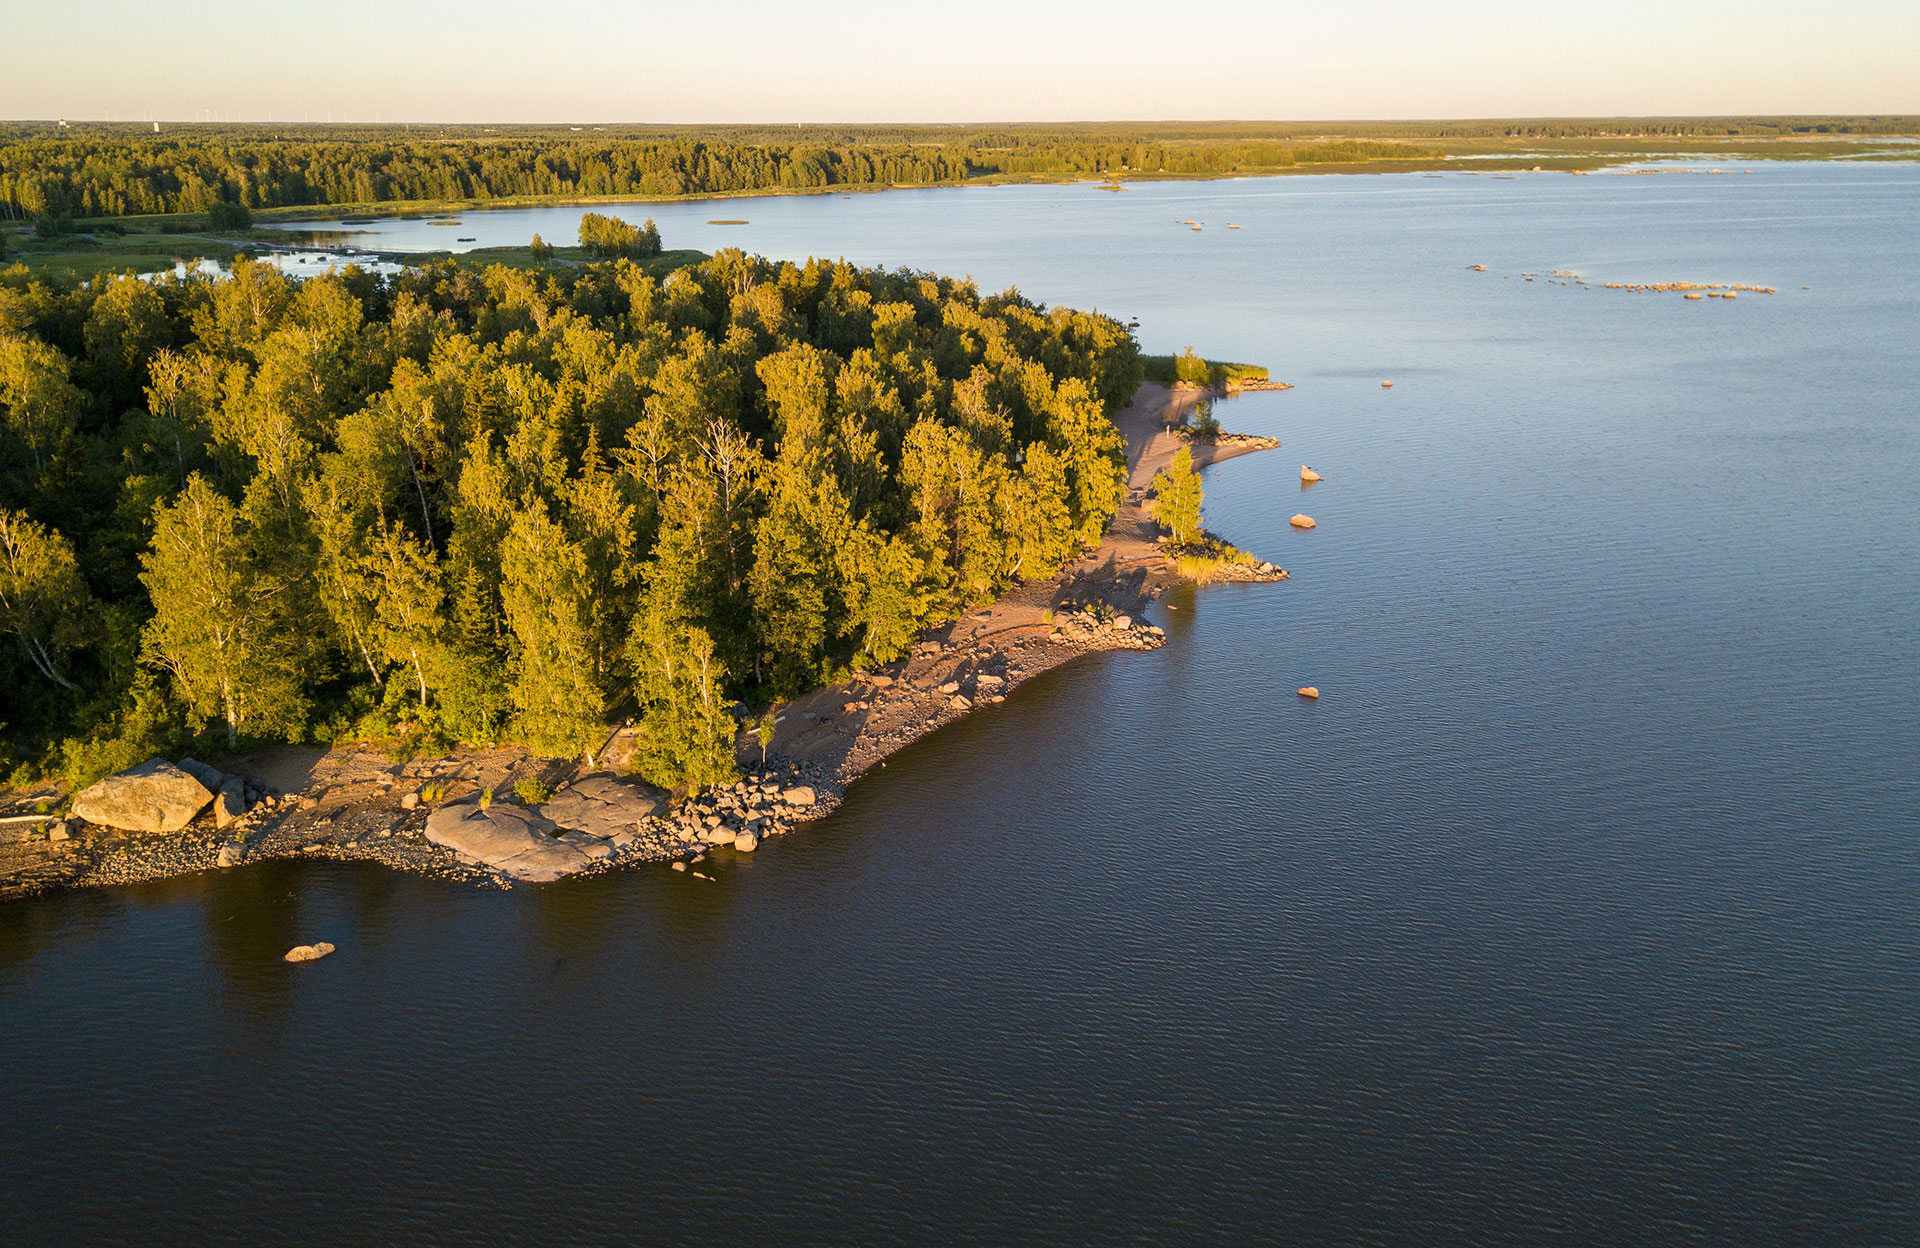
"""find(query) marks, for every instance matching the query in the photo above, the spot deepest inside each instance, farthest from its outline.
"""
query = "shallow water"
(1581, 908)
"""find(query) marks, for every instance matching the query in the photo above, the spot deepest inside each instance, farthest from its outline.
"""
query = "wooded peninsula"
(461, 505)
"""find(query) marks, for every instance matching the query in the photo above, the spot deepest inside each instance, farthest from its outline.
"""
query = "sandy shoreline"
(345, 803)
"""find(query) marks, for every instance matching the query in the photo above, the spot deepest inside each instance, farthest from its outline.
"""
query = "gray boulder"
(212, 777)
(230, 802)
(603, 806)
(517, 842)
(799, 795)
(156, 796)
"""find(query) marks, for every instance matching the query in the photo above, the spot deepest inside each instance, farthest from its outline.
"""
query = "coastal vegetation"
(1189, 368)
(483, 504)
(94, 170)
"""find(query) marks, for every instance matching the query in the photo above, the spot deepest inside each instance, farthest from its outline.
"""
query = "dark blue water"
(1583, 908)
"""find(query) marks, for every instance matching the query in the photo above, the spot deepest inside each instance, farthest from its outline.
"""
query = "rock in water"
(746, 842)
(230, 803)
(1301, 521)
(309, 953)
(1387, 385)
(1310, 693)
(1308, 474)
(156, 796)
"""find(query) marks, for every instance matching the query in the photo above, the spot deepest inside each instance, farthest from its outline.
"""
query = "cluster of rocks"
(1093, 629)
(159, 796)
(1260, 572)
(1239, 441)
(766, 803)
(587, 823)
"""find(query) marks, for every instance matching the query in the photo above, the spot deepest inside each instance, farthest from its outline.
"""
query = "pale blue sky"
(984, 60)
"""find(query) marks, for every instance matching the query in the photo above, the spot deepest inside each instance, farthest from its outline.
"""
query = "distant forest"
(99, 171)
(466, 505)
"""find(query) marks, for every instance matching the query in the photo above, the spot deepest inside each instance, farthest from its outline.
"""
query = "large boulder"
(603, 806)
(156, 796)
(513, 840)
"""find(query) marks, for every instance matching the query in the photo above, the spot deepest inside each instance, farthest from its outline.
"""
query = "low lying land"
(358, 803)
(86, 175)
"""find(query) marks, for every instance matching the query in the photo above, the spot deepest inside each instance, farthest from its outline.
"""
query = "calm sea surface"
(1584, 908)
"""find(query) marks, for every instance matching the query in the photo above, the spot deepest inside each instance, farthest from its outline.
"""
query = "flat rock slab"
(513, 840)
(603, 806)
(156, 796)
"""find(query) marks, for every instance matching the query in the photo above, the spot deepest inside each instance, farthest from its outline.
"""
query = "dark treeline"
(104, 169)
(119, 170)
(465, 505)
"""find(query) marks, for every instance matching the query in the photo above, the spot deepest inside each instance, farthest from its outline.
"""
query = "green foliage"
(1189, 369)
(1177, 495)
(532, 791)
(609, 238)
(469, 504)
(540, 249)
(229, 217)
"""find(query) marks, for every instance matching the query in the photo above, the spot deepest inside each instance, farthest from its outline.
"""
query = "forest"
(511, 504)
(106, 171)
(60, 170)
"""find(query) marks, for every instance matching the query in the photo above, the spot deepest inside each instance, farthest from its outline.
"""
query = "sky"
(966, 60)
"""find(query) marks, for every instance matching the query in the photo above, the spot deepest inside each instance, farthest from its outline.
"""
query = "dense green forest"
(120, 171)
(465, 505)
(96, 169)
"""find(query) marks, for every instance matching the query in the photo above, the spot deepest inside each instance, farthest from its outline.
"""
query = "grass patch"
(522, 257)
(1209, 558)
(79, 257)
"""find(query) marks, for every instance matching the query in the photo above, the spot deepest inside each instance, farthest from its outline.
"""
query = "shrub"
(540, 249)
(531, 791)
(229, 217)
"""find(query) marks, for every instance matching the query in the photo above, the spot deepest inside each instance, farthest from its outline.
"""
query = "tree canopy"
(464, 505)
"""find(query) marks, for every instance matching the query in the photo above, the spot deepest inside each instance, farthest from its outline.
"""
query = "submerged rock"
(156, 796)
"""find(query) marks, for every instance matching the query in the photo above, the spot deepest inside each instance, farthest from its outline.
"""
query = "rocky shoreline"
(430, 817)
